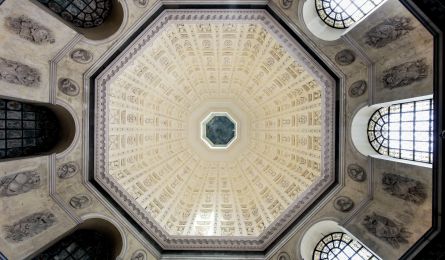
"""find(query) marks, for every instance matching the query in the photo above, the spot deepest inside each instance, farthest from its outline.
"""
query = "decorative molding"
(80, 201)
(343, 204)
(19, 183)
(388, 31)
(356, 172)
(198, 242)
(405, 74)
(68, 87)
(388, 230)
(344, 57)
(29, 226)
(18, 73)
(81, 56)
(30, 30)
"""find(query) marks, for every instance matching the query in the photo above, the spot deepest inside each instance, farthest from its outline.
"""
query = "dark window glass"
(340, 246)
(26, 129)
(81, 13)
(81, 245)
(341, 14)
(403, 131)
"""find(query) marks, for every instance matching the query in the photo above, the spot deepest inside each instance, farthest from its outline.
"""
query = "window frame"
(373, 134)
(343, 23)
(332, 239)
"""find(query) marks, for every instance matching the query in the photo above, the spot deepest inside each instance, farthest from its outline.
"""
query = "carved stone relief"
(67, 170)
(386, 229)
(80, 201)
(343, 204)
(283, 256)
(345, 57)
(29, 226)
(30, 30)
(141, 3)
(358, 88)
(19, 183)
(286, 4)
(69, 87)
(388, 31)
(404, 188)
(405, 74)
(356, 172)
(139, 255)
(81, 56)
(17, 73)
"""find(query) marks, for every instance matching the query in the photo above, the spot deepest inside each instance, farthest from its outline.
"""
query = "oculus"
(218, 130)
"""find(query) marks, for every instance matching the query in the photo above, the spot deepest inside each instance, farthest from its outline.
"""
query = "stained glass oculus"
(81, 13)
(340, 246)
(403, 131)
(218, 130)
(341, 14)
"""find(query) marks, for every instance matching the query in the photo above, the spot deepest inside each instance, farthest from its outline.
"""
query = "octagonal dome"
(151, 101)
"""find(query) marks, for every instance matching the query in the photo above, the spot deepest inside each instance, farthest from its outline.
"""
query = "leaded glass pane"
(409, 128)
(81, 13)
(341, 14)
(340, 246)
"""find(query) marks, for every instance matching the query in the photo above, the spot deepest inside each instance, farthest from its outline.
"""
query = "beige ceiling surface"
(156, 106)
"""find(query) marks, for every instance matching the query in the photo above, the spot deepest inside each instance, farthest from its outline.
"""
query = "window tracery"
(340, 246)
(403, 131)
(341, 14)
(82, 244)
(26, 129)
(81, 13)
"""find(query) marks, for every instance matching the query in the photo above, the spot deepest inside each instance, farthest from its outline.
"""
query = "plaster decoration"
(81, 56)
(286, 4)
(67, 170)
(69, 87)
(139, 255)
(357, 88)
(345, 57)
(19, 183)
(80, 201)
(283, 256)
(343, 204)
(405, 74)
(141, 3)
(159, 176)
(30, 30)
(388, 230)
(404, 188)
(29, 226)
(389, 30)
(356, 172)
(17, 73)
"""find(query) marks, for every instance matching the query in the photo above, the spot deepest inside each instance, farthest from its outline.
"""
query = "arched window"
(403, 131)
(341, 14)
(81, 13)
(82, 244)
(26, 129)
(340, 246)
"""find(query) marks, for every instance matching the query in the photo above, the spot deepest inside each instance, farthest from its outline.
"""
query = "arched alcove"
(360, 127)
(327, 240)
(29, 129)
(103, 20)
(94, 238)
(330, 19)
